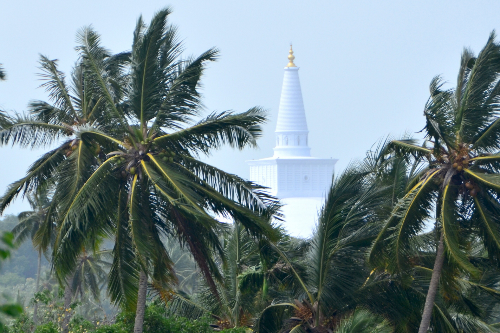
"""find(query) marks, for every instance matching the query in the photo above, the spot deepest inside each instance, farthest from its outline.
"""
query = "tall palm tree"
(152, 184)
(30, 223)
(65, 168)
(460, 183)
(399, 297)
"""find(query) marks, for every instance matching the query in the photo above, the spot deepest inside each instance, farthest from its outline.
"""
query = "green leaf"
(450, 222)
(490, 180)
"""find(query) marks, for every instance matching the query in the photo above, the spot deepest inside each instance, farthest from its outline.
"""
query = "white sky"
(365, 65)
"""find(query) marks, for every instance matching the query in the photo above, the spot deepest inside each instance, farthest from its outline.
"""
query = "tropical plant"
(150, 183)
(459, 185)
(362, 321)
(253, 274)
(335, 260)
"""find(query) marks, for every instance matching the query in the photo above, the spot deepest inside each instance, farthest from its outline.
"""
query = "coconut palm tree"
(253, 275)
(459, 187)
(30, 223)
(335, 260)
(87, 280)
(399, 297)
(65, 168)
(152, 183)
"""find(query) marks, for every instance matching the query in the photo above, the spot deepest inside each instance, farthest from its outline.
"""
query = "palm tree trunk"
(433, 287)
(141, 303)
(35, 310)
(68, 295)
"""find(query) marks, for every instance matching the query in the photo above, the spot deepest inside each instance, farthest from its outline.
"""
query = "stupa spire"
(291, 58)
(291, 128)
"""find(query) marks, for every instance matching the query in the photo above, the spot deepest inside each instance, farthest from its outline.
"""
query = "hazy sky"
(365, 66)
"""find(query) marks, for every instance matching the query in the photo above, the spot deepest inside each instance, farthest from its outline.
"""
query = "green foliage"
(7, 309)
(362, 321)
(22, 324)
(50, 327)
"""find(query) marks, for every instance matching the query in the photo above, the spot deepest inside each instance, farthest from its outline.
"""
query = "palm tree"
(459, 186)
(88, 278)
(152, 184)
(68, 165)
(335, 260)
(399, 297)
(253, 274)
(30, 223)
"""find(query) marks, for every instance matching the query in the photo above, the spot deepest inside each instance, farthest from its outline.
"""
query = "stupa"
(292, 174)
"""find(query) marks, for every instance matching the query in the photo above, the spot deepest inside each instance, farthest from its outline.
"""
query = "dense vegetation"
(123, 233)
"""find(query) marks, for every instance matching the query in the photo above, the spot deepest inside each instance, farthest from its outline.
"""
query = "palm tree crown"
(459, 185)
(151, 184)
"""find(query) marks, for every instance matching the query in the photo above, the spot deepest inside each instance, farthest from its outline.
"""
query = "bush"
(47, 328)
(155, 321)
(79, 324)
(22, 324)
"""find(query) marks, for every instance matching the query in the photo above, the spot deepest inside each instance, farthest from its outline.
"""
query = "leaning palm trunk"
(433, 287)
(35, 310)
(68, 295)
(141, 303)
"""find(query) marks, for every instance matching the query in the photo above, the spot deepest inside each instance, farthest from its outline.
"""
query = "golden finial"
(291, 57)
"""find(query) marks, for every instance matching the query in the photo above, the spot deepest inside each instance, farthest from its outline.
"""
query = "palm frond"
(96, 56)
(27, 132)
(182, 99)
(54, 83)
(124, 273)
(449, 218)
(406, 220)
(38, 175)
(362, 321)
(475, 109)
(237, 130)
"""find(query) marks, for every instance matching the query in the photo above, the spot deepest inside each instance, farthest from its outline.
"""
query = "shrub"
(47, 328)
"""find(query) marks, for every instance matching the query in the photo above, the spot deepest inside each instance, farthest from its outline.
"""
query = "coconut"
(469, 185)
(460, 168)
(454, 165)
(132, 170)
(473, 192)
(170, 159)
